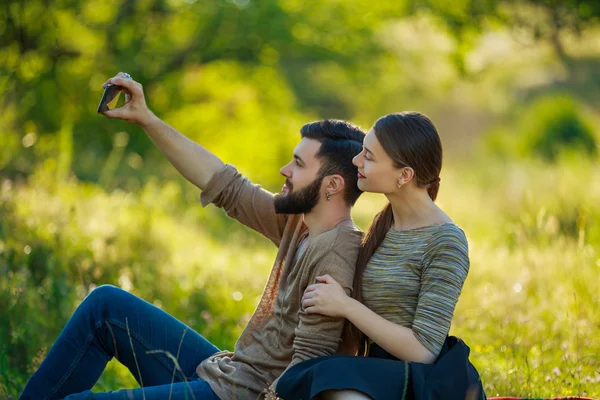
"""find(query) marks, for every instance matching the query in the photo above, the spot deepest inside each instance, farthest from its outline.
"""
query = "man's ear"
(334, 184)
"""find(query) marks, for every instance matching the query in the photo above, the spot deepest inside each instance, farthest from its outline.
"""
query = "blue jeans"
(109, 323)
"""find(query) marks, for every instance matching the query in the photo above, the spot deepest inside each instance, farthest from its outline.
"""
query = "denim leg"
(111, 322)
(195, 389)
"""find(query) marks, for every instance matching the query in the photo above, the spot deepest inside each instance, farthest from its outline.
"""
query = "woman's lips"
(361, 176)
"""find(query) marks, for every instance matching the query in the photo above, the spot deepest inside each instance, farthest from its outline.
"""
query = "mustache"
(289, 184)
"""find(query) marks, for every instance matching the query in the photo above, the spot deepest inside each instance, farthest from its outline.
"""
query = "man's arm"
(193, 161)
(318, 335)
(221, 184)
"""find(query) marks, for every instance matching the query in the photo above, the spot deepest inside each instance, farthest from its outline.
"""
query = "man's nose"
(285, 171)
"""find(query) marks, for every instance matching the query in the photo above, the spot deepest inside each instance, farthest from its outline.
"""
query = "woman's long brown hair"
(410, 139)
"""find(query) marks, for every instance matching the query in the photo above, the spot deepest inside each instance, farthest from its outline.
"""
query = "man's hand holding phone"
(193, 161)
(135, 109)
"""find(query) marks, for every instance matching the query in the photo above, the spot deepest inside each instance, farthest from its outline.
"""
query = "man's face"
(302, 188)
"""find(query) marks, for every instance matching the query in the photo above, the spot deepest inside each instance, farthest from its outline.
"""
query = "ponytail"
(433, 189)
(371, 241)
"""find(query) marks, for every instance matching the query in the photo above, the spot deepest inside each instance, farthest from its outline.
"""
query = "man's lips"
(361, 176)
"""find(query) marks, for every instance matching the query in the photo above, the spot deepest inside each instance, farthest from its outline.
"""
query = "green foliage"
(534, 241)
(58, 241)
(86, 201)
(553, 124)
(214, 65)
(542, 20)
(527, 309)
(550, 127)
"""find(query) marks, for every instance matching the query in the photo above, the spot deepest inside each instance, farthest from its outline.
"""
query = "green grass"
(529, 309)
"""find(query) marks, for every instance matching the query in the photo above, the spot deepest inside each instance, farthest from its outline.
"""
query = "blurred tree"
(554, 124)
(269, 64)
(548, 20)
(545, 20)
(464, 19)
(56, 54)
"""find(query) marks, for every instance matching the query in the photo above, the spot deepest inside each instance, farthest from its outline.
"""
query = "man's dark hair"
(340, 141)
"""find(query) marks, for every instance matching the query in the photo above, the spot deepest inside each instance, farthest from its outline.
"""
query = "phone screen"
(110, 98)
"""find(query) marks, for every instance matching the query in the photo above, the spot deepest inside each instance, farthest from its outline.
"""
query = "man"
(309, 222)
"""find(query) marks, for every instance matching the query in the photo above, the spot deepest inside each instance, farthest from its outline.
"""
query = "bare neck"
(326, 216)
(411, 209)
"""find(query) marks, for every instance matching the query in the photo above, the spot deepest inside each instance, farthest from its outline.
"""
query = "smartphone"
(110, 98)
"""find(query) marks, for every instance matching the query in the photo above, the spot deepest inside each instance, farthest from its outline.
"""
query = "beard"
(300, 202)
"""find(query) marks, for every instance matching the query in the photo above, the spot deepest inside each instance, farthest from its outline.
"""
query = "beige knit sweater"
(279, 334)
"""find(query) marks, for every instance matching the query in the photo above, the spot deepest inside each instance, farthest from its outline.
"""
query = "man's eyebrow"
(297, 157)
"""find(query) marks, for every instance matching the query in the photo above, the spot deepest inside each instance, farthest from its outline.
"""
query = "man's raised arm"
(193, 161)
(249, 204)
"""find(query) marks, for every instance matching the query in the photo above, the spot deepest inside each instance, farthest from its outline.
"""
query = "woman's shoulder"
(447, 232)
(450, 242)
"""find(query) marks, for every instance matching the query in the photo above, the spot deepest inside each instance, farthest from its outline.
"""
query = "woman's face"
(376, 171)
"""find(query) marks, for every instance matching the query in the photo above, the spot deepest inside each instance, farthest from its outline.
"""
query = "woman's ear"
(335, 184)
(406, 175)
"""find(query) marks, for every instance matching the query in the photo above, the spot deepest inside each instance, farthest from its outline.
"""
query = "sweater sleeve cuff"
(220, 180)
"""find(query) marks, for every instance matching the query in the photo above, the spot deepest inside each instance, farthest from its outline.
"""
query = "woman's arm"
(397, 340)
(329, 298)
(445, 270)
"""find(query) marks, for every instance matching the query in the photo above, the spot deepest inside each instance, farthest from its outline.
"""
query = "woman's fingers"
(312, 310)
(304, 298)
(308, 303)
(311, 288)
(309, 295)
(326, 279)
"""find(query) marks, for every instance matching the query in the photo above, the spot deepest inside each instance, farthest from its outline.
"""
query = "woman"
(409, 276)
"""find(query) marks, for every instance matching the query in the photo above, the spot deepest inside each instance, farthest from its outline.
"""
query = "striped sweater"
(415, 277)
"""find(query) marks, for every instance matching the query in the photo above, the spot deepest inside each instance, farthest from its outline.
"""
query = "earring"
(399, 185)
(328, 196)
